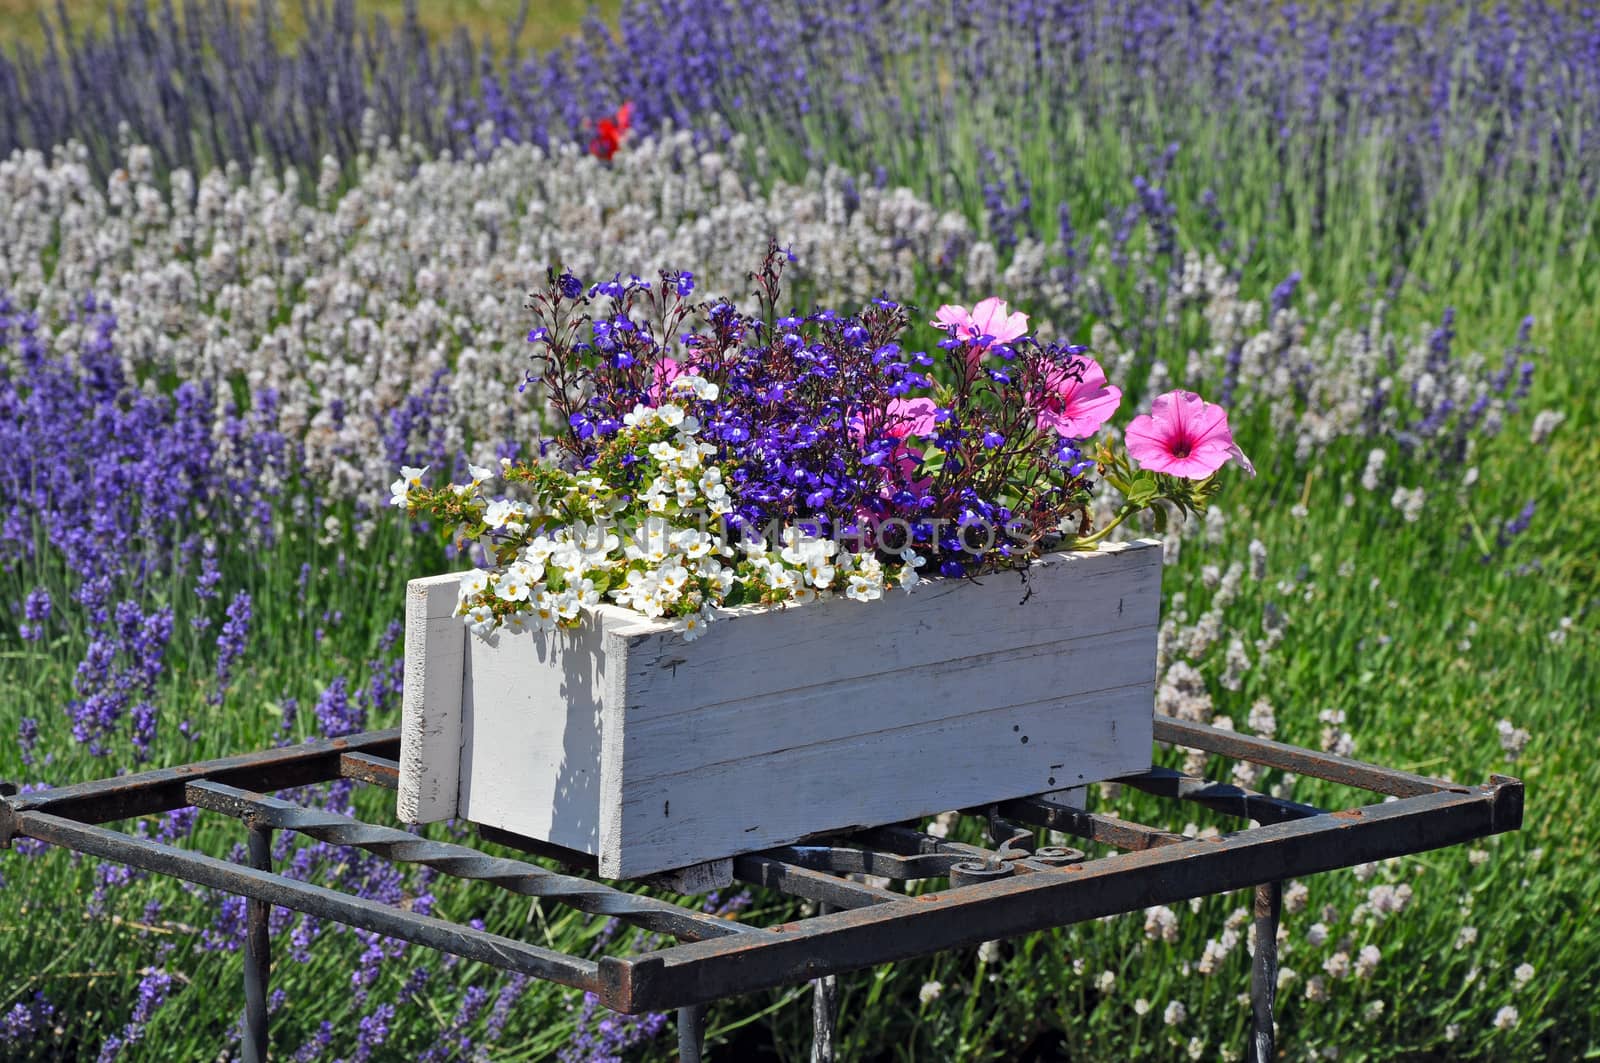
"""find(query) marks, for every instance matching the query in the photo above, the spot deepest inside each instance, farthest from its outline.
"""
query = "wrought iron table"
(1014, 888)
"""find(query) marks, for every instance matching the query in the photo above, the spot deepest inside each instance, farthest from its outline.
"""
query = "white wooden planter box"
(623, 741)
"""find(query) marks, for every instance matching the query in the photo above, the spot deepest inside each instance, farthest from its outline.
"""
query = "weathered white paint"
(430, 722)
(696, 878)
(622, 740)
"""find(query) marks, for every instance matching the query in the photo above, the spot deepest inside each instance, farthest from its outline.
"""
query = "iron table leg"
(257, 954)
(824, 1011)
(1264, 972)
(691, 1033)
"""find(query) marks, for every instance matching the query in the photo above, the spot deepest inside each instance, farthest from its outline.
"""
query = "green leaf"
(1142, 491)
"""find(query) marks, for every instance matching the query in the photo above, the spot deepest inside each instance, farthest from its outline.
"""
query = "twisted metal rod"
(515, 876)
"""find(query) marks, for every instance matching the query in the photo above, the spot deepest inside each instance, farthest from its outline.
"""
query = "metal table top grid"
(1014, 888)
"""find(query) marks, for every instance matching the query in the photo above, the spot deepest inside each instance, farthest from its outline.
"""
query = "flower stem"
(1087, 542)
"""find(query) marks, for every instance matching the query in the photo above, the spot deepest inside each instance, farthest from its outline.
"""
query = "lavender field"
(252, 263)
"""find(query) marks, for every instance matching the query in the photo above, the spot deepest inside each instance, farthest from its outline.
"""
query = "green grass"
(548, 23)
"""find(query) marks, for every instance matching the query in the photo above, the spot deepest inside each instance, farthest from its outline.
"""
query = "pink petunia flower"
(911, 417)
(988, 323)
(902, 418)
(1184, 435)
(1077, 408)
(988, 319)
(900, 471)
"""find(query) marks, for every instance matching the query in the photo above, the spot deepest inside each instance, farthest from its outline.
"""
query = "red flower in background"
(609, 132)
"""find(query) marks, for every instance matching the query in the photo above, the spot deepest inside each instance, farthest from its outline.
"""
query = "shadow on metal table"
(1014, 888)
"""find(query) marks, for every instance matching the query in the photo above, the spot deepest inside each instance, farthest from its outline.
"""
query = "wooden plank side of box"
(756, 654)
(780, 724)
(430, 718)
(531, 736)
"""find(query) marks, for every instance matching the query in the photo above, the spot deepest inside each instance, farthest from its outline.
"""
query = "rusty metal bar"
(1090, 826)
(1220, 796)
(1125, 882)
(966, 863)
(1267, 910)
(766, 870)
(248, 882)
(1272, 754)
(161, 790)
(514, 876)
(257, 953)
(374, 770)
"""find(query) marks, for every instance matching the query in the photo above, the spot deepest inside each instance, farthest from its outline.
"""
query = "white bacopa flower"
(672, 578)
(474, 583)
(480, 619)
(651, 541)
(692, 626)
(545, 615)
(511, 587)
(641, 416)
(502, 514)
(409, 477)
(568, 605)
(863, 589)
(530, 572)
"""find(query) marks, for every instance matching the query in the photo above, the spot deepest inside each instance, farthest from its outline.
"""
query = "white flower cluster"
(662, 564)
